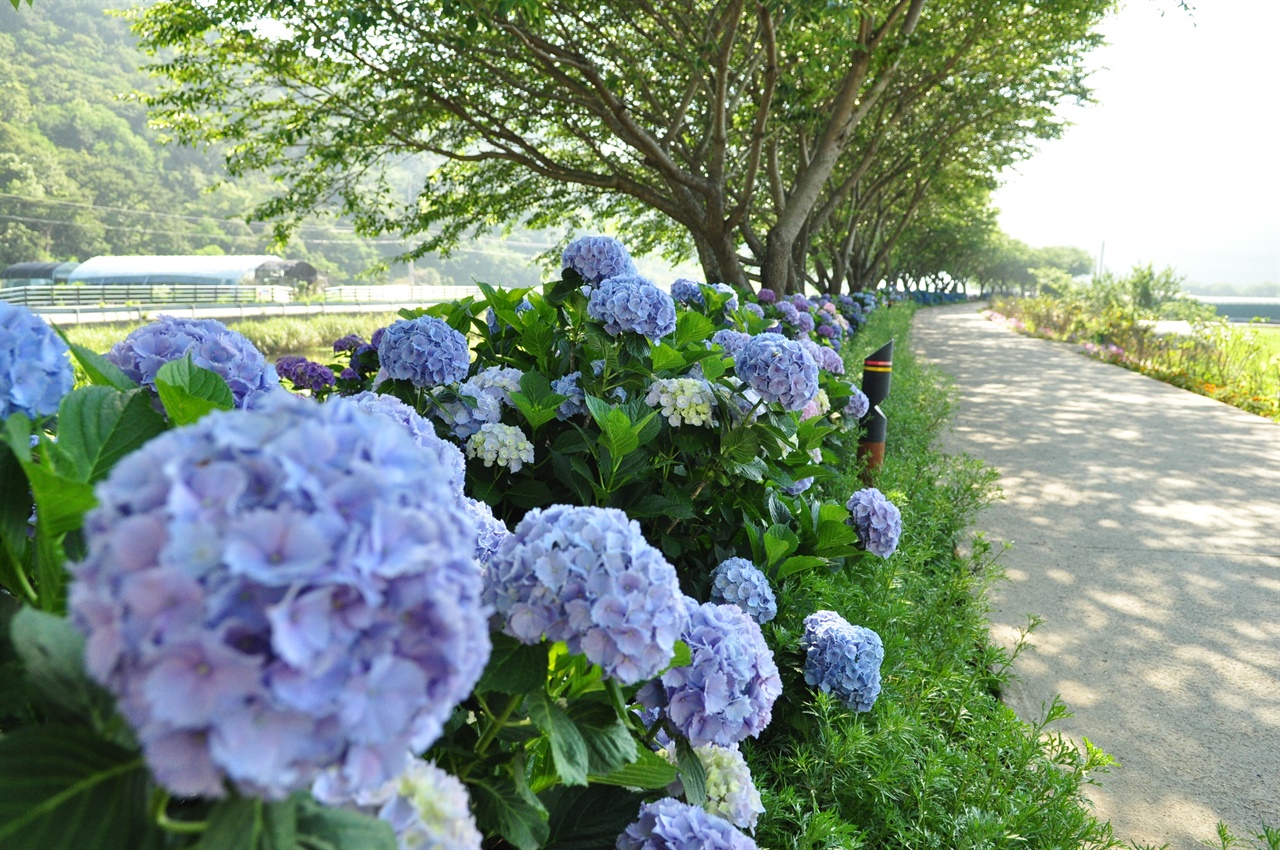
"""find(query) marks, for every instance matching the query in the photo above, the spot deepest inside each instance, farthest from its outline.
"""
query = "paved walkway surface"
(1145, 524)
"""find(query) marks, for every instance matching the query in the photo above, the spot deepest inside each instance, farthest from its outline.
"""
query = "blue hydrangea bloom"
(424, 351)
(730, 340)
(597, 258)
(631, 303)
(586, 576)
(727, 692)
(211, 345)
(685, 291)
(737, 581)
(804, 323)
(575, 402)
(447, 454)
(275, 592)
(827, 359)
(463, 418)
(787, 312)
(858, 404)
(35, 364)
(779, 369)
(754, 309)
(669, 824)
(842, 660)
(877, 521)
(490, 531)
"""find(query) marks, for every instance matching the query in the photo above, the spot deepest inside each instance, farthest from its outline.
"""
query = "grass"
(939, 762)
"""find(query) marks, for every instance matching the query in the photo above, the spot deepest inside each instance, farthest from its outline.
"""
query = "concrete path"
(1145, 522)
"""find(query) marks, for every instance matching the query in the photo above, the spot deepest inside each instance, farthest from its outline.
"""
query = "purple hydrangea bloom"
(737, 581)
(828, 359)
(858, 404)
(726, 693)
(275, 592)
(350, 342)
(631, 303)
(211, 346)
(586, 576)
(877, 521)
(305, 374)
(766, 296)
(575, 402)
(801, 303)
(490, 531)
(804, 323)
(424, 351)
(779, 369)
(827, 331)
(842, 660)
(35, 364)
(754, 309)
(669, 824)
(597, 258)
(449, 456)
(730, 340)
(685, 291)
(787, 312)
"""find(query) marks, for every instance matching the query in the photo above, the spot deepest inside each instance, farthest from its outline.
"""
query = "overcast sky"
(1178, 162)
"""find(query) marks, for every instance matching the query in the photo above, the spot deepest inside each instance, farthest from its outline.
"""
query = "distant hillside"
(81, 173)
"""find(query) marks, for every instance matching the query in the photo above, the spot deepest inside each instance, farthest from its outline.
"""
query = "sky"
(1178, 162)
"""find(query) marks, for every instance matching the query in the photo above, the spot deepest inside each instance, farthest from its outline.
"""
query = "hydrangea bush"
(35, 364)
(842, 659)
(286, 609)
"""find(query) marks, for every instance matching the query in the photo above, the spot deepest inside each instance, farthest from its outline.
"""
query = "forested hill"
(81, 173)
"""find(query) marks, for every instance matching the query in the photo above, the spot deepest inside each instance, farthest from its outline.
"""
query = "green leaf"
(535, 414)
(740, 445)
(755, 470)
(15, 510)
(779, 542)
(692, 328)
(799, 563)
(97, 426)
(63, 788)
(568, 749)
(329, 828)
(513, 667)
(692, 774)
(714, 367)
(666, 358)
(649, 771)
(835, 535)
(610, 745)
(240, 823)
(661, 505)
(101, 371)
(588, 818)
(683, 656)
(188, 391)
(516, 815)
(52, 654)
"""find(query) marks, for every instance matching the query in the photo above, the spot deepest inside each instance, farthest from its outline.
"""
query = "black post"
(877, 373)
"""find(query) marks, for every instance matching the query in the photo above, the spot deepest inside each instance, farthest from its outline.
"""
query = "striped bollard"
(877, 372)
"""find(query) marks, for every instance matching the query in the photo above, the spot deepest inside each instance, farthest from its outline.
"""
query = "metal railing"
(111, 294)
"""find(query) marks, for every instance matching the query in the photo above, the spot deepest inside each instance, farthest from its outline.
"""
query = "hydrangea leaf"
(328, 828)
(610, 744)
(799, 563)
(97, 426)
(101, 371)
(15, 509)
(188, 391)
(588, 818)
(503, 808)
(665, 358)
(739, 445)
(692, 328)
(693, 775)
(241, 823)
(779, 542)
(64, 788)
(568, 749)
(649, 771)
(834, 535)
(675, 505)
(713, 367)
(514, 667)
(52, 654)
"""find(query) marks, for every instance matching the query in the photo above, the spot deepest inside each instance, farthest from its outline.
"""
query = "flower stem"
(159, 805)
(498, 722)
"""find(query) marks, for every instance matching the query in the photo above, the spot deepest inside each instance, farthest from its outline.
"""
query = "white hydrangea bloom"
(505, 445)
(731, 792)
(682, 400)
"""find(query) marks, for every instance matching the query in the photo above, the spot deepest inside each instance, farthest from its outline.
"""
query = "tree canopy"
(728, 129)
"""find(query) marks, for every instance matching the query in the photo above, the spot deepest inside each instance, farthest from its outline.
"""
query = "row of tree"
(835, 143)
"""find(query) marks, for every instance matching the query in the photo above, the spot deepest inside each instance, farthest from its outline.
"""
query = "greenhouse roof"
(37, 271)
(216, 269)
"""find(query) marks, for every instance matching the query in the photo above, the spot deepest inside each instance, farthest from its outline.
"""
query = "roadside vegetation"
(1114, 319)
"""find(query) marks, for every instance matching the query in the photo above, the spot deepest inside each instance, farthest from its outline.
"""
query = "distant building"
(217, 270)
(36, 274)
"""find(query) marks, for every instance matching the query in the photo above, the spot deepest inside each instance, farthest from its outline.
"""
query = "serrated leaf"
(610, 744)
(834, 535)
(777, 547)
(240, 823)
(739, 445)
(659, 505)
(514, 667)
(568, 749)
(330, 828)
(97, 426)
(799, 563)
(589, 818)
(188, 391)
(101, 371)
(52, 653)
(692, 327)
(713, 367)
(63, 788)
(755, 470)
(693, 776)
(535, 414)
(648, 771)
(665, 358)
(501, 807)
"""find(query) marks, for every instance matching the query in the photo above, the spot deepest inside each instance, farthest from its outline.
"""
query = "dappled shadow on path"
(1146, 530)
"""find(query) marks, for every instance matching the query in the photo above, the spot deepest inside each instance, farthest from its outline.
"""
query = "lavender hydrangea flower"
(35, 364)
(737, 581)
(731, 341)
(211, 346)
(497, 381)
(726, 693)
(804, 323)
(597, 258)
(842, 660)
(787, 312)
(447, 454)
(586, 576)
(505, 445)
(685, 291)
(754, 309)
(858, 404)
(465, 418)
(490, 531)
(877, 521)
(305, 374)
(683, 401)
(350, 342)
(274, 592)
(669, 824)
(801, 303)
(779, 369)
(427, 808)
(766, 296)
(575, 402)
(424, 351)
(631, 303)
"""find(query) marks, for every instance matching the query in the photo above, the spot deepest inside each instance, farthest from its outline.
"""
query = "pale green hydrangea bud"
(682, 400)
(505, 445)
